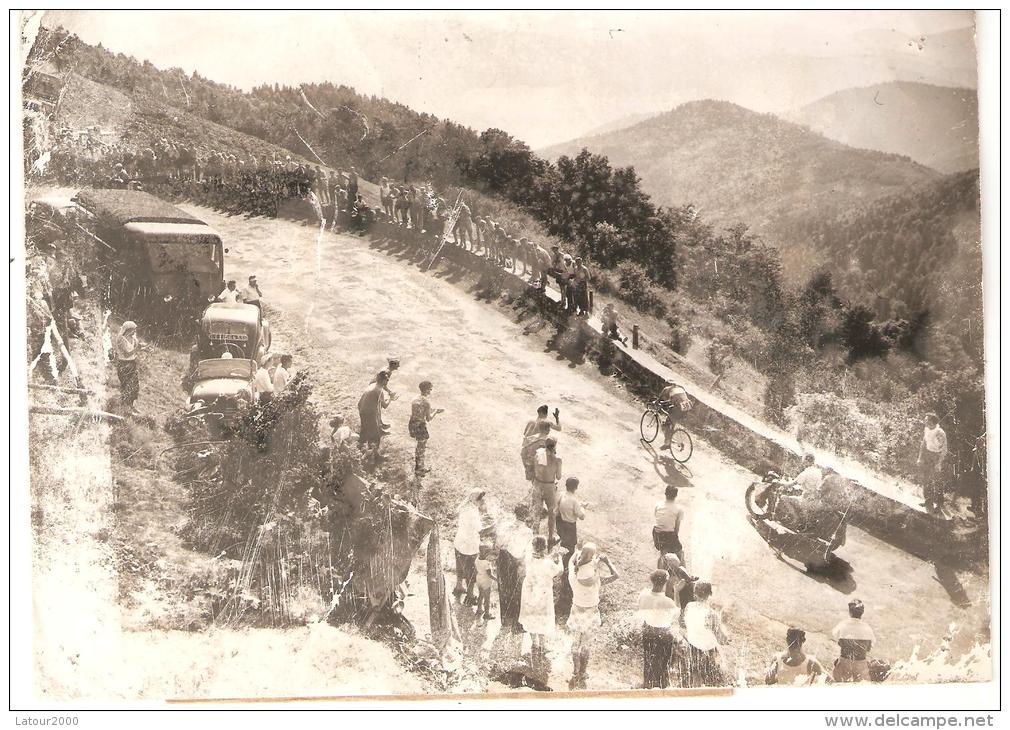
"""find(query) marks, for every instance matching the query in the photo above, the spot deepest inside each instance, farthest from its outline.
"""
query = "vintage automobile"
(161, 258)
(221, 390)
(238, 329)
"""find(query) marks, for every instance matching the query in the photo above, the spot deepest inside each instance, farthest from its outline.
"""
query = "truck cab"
(159, 255)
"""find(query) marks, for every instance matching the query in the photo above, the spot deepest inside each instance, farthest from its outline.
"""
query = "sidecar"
(813, 546)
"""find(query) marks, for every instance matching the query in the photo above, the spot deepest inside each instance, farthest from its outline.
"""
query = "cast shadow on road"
(946, 576)
(398, 249)
(838, 574)
(671, 471)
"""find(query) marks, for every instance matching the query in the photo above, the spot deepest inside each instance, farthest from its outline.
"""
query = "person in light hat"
(855, 639)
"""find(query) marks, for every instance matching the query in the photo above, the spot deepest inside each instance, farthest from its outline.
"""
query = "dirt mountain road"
(340, 305)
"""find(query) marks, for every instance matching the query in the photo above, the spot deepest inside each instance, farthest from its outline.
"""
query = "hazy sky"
(549, 76)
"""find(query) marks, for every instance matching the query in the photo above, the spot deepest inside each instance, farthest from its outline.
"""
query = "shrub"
(638, 290)
(681, 334)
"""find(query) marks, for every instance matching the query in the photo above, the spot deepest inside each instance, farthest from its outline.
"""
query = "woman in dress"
(126, 347)
(585, 578)
(370, 406)
(513, 546)
(536, 613)
(701, 665)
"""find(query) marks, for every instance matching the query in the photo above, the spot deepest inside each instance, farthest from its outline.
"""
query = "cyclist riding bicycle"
(673, 401)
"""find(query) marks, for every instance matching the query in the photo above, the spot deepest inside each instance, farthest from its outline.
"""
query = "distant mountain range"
(737, 165)
(934, 125)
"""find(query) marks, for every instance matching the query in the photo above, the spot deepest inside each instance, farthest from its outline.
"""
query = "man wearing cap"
(855, 639)
(251, 294)
(546, 474)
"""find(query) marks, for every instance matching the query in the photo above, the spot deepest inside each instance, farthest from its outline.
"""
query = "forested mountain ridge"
(915, 252)
(736, 165)
(934, 125)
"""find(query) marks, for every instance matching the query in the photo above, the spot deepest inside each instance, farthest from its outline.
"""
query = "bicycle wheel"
(681, 446)
(650, 425)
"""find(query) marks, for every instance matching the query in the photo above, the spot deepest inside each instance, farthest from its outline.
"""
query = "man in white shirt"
(282, 374)
(230, 294)
(251, 294)
(855, 639)
(263, 385)
(658, 613)
(932, 455)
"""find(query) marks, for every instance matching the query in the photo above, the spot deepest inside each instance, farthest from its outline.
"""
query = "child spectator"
(485, 579)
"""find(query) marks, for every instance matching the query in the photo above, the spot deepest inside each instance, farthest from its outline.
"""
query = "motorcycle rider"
(800, 506)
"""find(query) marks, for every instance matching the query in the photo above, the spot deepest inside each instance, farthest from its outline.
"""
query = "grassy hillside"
(934, 125)
(734, 165)
(138, 120)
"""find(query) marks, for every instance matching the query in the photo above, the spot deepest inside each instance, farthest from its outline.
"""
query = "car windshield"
(224, 368)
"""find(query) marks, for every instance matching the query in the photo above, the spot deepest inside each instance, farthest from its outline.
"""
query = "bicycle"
(681, 445)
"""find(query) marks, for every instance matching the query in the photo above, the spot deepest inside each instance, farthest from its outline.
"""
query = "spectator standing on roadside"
(585, 578)
(467, 545)
(463, 230)
(570, 511)
(580, 282)
(282, 374)
(658, 613)
(392, 365)
(932, 455)
(370, 406)
(352, 184)
(421, 413)
(535, 435)
(546, 474)
(537, 610)
(263, 385)
(666, 530)
(705, 635)
(514, 539)
(126, 347)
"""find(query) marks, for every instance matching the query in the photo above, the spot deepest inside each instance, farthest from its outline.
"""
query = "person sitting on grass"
(608, 318)
(793, 666)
